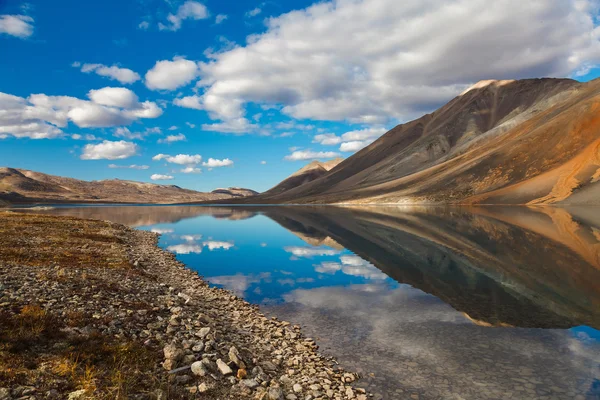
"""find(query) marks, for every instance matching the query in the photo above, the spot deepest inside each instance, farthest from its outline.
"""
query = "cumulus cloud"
(170, 75)
(123, 75)
(108, 150)
(185, 248)
(220, 18)
(89, 137)
(192, 102)
(191, 170)
(180, 159)
(371, 67)
(310, 252)
(144, 25)
(213, 163)
(189, 10)
(133, 166)
(159, 177)
(173, 138)
(350, 141)
(327, 139)
(300, 155)
(238, 126)
(114, 97)
(20, 26)
(254, 12)
(40, 116)
(215, 245)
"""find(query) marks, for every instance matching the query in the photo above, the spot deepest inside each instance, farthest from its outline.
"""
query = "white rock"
(224, 368)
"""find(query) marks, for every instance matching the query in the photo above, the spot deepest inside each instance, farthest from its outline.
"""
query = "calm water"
(431, 303)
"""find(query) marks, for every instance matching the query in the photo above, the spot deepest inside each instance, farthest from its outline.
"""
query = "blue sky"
(206, 94)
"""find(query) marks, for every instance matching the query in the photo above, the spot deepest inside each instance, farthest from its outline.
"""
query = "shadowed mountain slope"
(308, 173)
(533, 141)
(23, 186)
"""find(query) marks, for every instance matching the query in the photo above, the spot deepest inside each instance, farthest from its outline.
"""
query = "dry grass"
(38, 348)
(38, 240)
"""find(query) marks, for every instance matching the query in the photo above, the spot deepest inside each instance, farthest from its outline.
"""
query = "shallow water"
(431, 303)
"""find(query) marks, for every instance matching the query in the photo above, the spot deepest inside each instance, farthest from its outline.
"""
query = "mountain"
(235, 192)
(23, 186)
(309, 173)
(532, 141)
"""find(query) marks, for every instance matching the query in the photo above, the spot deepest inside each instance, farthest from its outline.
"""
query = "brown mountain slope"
(23, 186)
(503, 142)
(308, 173)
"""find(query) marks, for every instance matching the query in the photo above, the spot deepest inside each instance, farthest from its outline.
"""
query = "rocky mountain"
(532, 141)
(23, 186)
(235, 192)
(308, 173)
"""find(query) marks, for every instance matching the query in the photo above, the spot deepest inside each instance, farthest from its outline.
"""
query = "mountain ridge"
(531, 141)
(26, 186)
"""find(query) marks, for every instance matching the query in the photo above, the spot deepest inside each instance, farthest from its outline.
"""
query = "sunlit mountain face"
(486, 303)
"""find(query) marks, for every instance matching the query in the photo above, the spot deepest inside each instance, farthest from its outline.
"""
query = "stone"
(224, 369)
(203, 388)
(4, 394)
(234, 356)
(349, 393)
(275, 393)
(172, 352)
(78, 394)
(242, 373)
(198, 347)
(203, 333)
(297, 388)
(250, 383)
(199, 369)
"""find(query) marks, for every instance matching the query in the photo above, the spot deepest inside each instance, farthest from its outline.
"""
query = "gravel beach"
(93, 309)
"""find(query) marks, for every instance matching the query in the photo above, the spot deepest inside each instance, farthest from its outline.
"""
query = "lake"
(424, 302)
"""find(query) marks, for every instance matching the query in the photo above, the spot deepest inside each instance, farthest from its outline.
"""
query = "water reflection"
(490, 303)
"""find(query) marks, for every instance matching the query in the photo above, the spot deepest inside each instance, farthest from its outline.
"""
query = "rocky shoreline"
(113, 285)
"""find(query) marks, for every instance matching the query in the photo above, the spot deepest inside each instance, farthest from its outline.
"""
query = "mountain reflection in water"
(425, 302)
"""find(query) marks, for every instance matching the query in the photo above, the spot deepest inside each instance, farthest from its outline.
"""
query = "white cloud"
(159, 177)
(189, 102)
(144, 25)
(173, 138)
(114, 97)
(327, 139)
(213, 163)
(133, 166)
(190, 125)
(125, 133)
(350, 141)
(180, 159)
(310, 252)
(170, 75)
(188, 10)
(108, 150)
(89, 137)
(328, 267)
(299, 155)
(350, 147)
(161, 231)
(123, 75)
(191, 170)
(263, 163)
(373, 67)
(254, 12)
(214, 245)
(20, 26)
(186, 248)
(173, 128)
(159, 157)
(40, 116)
(220, 18)
(191, 238)
(237, 126)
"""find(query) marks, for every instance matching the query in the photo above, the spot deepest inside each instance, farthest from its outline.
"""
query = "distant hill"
(23, 186)
(531, 141)
(308, 173)
(235, 192)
